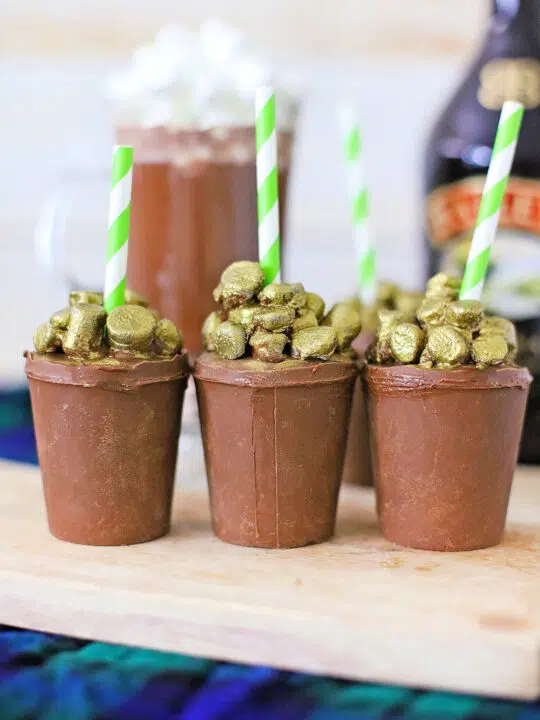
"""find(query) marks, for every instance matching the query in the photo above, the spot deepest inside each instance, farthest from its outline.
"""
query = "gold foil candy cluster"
(84, 331)
(389, 297)
(275, 322)
(445, 333)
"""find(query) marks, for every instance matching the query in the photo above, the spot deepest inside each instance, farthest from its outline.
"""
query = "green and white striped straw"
(490, 206)
(358, 198)
(267, 184)
(119, 213)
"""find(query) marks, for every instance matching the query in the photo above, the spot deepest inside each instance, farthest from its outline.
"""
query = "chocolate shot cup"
(444, 450)
(107, 437)
(274, 439)
(357, 465)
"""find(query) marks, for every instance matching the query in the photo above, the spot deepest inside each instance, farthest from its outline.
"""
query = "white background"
(397, 58)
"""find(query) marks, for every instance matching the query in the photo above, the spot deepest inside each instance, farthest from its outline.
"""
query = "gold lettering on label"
(510, 79)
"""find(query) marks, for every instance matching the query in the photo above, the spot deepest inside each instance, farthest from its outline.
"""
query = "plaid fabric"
(16, 432)
(49, 677)
(45, 677)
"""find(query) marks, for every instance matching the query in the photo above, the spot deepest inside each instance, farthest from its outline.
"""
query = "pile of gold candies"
(389, 297)
(445, 333)
(84, 331)
(276, 322)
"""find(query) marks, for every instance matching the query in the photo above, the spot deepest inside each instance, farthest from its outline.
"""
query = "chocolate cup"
(274, 441)
(444, 450)
(107, 439)
(357, 465)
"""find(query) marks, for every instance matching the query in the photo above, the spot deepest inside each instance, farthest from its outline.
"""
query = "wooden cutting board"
(357, 607)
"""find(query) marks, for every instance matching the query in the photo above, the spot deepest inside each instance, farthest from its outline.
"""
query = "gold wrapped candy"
(87, 297)
(316, 304)
(131, 328)
(292, 294)
(83, 330)
(464, 314)
(306, 319)
(276, 294)
(406, 343)
(298, 299)
(274, 322)
(275, 318)
(210, 325)
(408, 303)
(84, 337)
(447, 333)
(431, 312)
(240, 282)
(446, 348)
(488, 350)
(60, 319)
(386, 295)
(245, 316)
(380, 351)
(230, 340)
(268, 346)
(500, 326)
(346, 321)
(443, 285)
(370, 317)
(168, 340)
(318, 343)
(134, 298)
(46, 339)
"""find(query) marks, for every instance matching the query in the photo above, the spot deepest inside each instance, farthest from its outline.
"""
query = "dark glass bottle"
(507, 67)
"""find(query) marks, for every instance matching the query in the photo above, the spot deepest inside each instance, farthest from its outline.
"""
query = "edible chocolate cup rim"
(248, 372)
(123, 376)
(398, 379)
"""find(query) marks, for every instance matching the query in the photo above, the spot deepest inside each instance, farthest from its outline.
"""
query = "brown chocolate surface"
(194, 211)
(357, 465)
(107, 438)
(109, 373)
(274, 439)
(444, 450)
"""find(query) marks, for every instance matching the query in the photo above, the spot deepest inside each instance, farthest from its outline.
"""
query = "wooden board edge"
(332, 648)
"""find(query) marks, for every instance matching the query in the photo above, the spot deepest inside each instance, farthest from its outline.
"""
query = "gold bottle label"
(510, 79)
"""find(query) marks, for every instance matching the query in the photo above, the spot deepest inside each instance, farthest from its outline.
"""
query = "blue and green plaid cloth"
(49, 677)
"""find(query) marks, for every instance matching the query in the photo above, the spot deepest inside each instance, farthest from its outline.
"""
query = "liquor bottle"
(507, 67)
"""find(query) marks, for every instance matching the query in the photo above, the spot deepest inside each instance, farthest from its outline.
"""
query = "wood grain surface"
(357, 607)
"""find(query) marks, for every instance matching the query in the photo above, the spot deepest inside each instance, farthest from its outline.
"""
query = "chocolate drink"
(445, 446)
(274, 439)
(194, 212)
(150, 210)
(107, 436)
(357, 465)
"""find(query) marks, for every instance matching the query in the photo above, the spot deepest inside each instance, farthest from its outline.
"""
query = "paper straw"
(358, 197)
(492, 197)
(119, 212)
(267, 184)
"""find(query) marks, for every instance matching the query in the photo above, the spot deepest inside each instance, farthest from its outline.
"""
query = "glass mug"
(194, 211)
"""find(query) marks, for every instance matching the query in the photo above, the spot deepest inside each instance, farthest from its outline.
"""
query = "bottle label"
(510, 79)
(512, 286)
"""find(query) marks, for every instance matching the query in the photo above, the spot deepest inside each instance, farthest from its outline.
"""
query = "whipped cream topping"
(196, 80)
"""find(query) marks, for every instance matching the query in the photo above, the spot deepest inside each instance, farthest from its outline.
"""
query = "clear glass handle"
(50, 236)
(71, 232)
